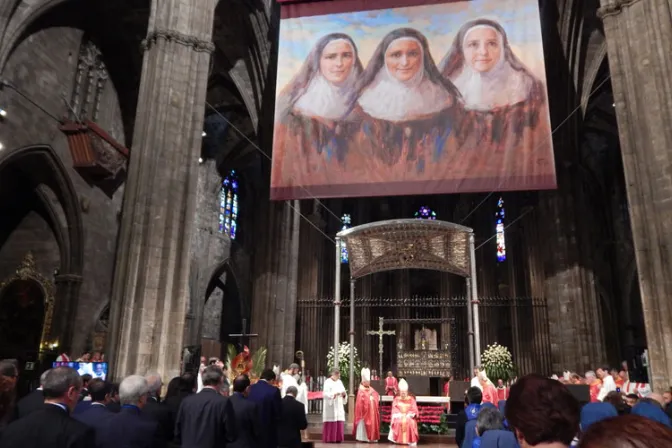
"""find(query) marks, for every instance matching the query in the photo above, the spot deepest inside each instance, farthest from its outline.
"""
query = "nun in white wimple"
(311, 137)
(492, 79)
(406, 107)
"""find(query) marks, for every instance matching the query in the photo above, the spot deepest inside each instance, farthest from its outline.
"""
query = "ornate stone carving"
(614, 8)
(28, 271)
(197, 44)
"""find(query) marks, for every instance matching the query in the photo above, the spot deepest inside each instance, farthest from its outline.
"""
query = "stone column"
(151, 284)
(640, 58)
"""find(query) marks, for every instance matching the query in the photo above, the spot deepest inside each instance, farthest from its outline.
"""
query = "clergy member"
(391, 384)
(475, 382)
(406, 108)
(367, 417)
(594, 385)
(291, 377)
(403, 426)
(489, 390)
(312, 135)
(333, 408)
(505, 103)
(502, 391)
(608, 384)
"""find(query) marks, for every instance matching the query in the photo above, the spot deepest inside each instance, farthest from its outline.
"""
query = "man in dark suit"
(34, 401)
(52, 426)
(96, 414)
(158, 410)
(269, 404)
(203, 418)
(131, 428)
(245, 428)
(292, 421)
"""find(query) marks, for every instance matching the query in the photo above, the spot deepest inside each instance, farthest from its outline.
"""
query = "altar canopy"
(410, 97)
(407, 244)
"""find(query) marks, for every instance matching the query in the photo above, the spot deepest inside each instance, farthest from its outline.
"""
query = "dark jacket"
(32, 402)
(95, 416)
(460, 423)
(202, 420)
(131, 428)
(292, 422)
(245, 428)
(269, 405)
(50, 427)
(161, 414)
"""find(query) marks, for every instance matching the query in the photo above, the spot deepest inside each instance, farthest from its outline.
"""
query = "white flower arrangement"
(498, 363)
(343, 361)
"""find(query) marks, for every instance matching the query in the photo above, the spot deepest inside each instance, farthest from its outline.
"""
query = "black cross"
(244, 336)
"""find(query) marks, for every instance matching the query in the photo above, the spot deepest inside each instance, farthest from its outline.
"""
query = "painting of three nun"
(479, 114)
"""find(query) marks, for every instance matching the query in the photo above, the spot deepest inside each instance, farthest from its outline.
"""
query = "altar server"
(333, 409)
(404, 427)
(367, 416)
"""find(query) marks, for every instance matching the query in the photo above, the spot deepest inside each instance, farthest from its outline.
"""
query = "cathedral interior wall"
(43, 66)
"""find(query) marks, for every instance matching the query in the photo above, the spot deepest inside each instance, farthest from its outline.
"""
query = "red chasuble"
(366, 409)
(404, 427)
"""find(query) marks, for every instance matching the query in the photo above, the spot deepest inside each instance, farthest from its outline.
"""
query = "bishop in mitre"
(403, 424)
(367, 416)
(291, 377)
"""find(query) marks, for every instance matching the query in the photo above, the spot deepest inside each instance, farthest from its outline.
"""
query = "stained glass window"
(228, 205)
(425, 212)
(347, 223)
(499, 228)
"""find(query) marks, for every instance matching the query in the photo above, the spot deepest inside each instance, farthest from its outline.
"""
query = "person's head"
(500, 383)
(267, 375)
(63, 385)
(631, 399)
(602, 372)
(96, 357)
(241, 384)
(483, 378)
(99, 391)
(592, 413)
(623, 375)
(213, 361)
(173, 388)
(43, 377)
(615, 399)
(667, 397)
(154, 382)
(403, 58)
(86, 357)
(188, 383)
(85, 380)
(627, 431)
(389, 374)
(489, 419)
(203, 360)
(335, 374)
(8, 375)
(212, 377)
(337, 59)
(294, 368)
(474, 395)
(293, 391)
(658, 398)
(134, 390)
(114, 392)
(590, 377)
(541, 410)
(476, 370)
(482, 46)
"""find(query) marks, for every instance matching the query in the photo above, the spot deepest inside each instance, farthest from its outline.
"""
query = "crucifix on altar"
(244, 336)
(380, 333)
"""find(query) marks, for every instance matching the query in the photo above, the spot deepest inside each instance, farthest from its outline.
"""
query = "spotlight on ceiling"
(204, 134)
(2, 146)
(613, 105)
(3, 112)
(200, 160)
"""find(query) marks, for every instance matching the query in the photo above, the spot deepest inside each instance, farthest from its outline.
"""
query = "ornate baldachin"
(197, 44)
(614, 9)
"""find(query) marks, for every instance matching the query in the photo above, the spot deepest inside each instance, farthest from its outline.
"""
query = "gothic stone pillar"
(640, 58)
(151, 284)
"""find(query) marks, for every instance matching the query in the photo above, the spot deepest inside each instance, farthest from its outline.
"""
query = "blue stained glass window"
(228, 205)
(347, 223)
(499, 229)
(425, 212)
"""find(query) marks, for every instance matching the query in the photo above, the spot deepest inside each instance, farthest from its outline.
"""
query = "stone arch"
(41, 167)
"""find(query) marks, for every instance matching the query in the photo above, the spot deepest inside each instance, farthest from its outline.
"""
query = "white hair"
(154, 383)
(590, 374)
(132, 389)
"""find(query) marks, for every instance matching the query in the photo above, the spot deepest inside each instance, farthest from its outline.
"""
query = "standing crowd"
(70, 410)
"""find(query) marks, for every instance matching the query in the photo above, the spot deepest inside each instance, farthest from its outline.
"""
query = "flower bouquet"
(498, 363)
(344, 363)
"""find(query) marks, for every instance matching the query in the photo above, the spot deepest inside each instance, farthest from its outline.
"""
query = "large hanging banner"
(410, 97)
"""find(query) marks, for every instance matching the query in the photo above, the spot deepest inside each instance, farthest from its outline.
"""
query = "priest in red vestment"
(404, 426)
(502, 391)
(391, 385)
(367, 416)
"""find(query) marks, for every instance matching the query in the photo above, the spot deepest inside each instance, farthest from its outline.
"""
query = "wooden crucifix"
(244, 336)
(380, 333)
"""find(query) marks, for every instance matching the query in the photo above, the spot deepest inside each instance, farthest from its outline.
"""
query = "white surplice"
(608, 385)
(333, 408)
(302, 395)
